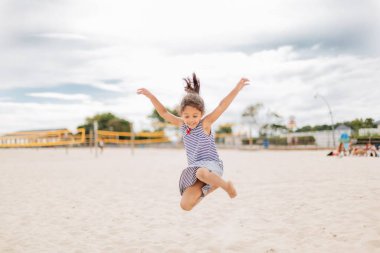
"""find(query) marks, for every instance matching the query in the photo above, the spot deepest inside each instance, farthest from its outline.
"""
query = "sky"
(62, 61)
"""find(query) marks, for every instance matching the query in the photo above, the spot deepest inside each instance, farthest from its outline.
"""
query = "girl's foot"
(231, 190)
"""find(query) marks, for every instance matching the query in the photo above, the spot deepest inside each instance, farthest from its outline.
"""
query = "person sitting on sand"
(350, 148)
(358, 151)
(340, 151)
(205, 169)
(371, 149)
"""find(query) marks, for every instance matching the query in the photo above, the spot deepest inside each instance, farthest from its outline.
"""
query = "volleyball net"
(64, 137)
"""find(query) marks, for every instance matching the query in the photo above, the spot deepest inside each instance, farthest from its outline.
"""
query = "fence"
(64, 137)
(131, 138)
(42, 139)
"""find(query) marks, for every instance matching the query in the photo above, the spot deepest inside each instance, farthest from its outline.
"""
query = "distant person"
(371, 149)
(345, 139)
(340, 151)
(266, 143)
(367, 150)
(101, 145)
(205, 169)
(350, 148)
(358, 151)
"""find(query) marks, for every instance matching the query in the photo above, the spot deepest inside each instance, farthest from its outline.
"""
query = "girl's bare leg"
(215, 180)
(191, 196)
(213, 188)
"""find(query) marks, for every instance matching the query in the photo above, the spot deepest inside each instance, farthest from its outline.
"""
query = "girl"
(204, 171)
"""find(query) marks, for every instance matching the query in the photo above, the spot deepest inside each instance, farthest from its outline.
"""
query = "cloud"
(107, 86)
(97, 51)
(62, 36)
(80, 97)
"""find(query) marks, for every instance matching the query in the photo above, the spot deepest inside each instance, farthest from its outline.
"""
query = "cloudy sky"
(64, 60)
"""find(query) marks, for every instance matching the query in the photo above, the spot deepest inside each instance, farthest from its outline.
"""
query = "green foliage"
(305, 129)
(224, 129)
(267, 128)
(322, 127)
(357, 136)
(360, 123)
(278, 126)
(278, 141)
(159, 122)
(252, 111)
(107, 121)
(245, 141)
(314, 128)
(355, 125)
(156, 117)
(305, 140)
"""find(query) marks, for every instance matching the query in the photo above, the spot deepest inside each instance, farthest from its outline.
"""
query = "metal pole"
(96, 138)
(132, 139)
(90, 139)
(250, 136)
(331, 116)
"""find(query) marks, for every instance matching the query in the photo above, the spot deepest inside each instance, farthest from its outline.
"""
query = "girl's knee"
(186, 205)
(188, 202)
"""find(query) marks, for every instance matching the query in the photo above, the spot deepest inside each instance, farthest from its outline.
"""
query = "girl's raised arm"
(160, 108)
(223, 105)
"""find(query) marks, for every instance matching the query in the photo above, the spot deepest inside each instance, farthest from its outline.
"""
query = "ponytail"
(192, 86)
(192, 98)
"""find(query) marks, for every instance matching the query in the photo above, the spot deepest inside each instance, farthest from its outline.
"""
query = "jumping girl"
(205, 169)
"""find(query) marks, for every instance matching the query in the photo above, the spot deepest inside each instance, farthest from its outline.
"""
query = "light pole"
(331, 115)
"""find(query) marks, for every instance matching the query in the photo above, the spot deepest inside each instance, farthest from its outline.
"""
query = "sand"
(299, 201)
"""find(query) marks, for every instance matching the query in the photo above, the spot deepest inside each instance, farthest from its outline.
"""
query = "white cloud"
(288, 52)
(61, 96)
(62, 36)
(106, 86)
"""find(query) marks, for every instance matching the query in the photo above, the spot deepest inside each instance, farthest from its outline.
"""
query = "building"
(370, 131)
(42, 138)
(323, 139)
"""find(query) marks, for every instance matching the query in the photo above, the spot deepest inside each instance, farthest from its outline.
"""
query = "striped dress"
(201, 153)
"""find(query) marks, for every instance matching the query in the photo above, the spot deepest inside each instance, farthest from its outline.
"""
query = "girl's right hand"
(143, 91)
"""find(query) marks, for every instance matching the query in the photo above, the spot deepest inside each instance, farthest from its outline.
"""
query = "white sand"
(297, 201)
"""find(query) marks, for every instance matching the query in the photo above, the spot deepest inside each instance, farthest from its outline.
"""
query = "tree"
(159, 123)
(224, 129)
(369, 123)
(355, 125)
(107, 121)
(273, 124)
(251, 111)
(249, 114)
(304, 129)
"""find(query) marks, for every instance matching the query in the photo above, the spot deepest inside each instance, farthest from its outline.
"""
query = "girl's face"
(191, 116)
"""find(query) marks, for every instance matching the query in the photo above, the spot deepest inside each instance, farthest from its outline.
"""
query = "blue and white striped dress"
(201, 153)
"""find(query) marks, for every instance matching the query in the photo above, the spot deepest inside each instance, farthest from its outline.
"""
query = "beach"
(57, 200)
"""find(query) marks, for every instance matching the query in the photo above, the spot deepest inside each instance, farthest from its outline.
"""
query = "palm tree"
(273, 123)
(250, 114)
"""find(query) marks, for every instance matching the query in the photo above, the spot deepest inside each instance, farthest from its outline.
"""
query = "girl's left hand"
(243, 82)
